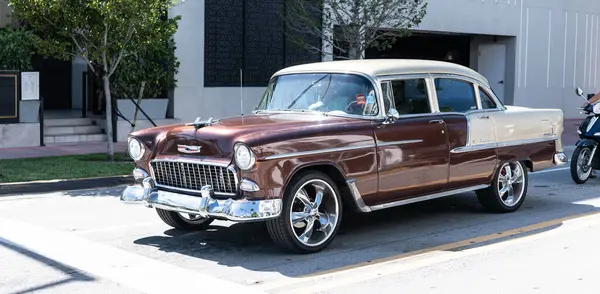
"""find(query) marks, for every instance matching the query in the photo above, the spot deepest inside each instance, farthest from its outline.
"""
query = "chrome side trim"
(364, 208)
(318, 151)
(471, 148)
(427, 197)
(398, 143)
(357, 197)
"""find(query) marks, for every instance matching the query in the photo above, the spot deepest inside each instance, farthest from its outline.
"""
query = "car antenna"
(241, 92)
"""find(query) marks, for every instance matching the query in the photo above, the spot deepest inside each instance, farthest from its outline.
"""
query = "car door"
(471, 132)
(412, 151)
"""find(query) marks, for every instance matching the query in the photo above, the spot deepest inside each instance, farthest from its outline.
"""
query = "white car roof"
(386, 67)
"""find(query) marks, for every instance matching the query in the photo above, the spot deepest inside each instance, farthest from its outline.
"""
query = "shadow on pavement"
(384, 234)
(74, 275)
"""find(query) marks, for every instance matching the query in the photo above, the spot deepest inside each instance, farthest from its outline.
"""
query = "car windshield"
(330, 93)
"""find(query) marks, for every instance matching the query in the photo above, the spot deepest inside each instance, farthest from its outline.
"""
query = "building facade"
(533, 52)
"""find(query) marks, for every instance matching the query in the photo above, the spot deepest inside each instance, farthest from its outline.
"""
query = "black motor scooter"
(585, 159)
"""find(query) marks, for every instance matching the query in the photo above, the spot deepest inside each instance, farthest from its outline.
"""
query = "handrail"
(116, 112)
(84, 94)
(41, 120)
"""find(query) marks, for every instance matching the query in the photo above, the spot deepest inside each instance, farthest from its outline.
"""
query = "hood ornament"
(190, 149)
(199, 123)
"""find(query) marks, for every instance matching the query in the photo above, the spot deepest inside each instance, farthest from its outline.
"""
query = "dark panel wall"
(248, 35)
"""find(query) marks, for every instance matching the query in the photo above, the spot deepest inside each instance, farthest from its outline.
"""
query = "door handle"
(484, 117)
(436, 121)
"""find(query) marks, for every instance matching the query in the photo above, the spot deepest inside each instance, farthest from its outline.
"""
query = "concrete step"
(73, 139)
(63, 122)
(73, 130)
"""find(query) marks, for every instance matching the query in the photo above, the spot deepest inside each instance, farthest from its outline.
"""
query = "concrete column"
(188, 95)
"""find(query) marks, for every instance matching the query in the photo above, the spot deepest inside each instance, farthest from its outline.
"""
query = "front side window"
(323, 92)
(455, 95)
(411, 96)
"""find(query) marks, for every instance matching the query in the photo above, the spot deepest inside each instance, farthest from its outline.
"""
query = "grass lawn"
(64, 167)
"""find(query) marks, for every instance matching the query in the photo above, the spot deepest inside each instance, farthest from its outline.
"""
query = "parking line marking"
(375, 268)
(135, 271)
(550, 170)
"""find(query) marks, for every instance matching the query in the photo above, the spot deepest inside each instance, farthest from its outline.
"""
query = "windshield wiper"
(308, 88)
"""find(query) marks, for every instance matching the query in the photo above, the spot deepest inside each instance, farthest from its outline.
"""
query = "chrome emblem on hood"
(188, 148)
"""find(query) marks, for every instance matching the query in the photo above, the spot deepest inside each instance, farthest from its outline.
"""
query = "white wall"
(556, 47)
(540, 72)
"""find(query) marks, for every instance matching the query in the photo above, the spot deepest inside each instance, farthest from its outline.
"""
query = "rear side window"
(411, 96)
(486, 101)
(455, 95)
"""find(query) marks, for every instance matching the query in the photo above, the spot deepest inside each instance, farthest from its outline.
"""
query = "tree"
(348, 27)
(102, 32)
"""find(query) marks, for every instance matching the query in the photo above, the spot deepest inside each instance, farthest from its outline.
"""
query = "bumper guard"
(560, 158)
(205, 205)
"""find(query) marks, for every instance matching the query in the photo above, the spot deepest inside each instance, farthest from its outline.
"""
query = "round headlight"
(136, 149)
(244, 158)
(597, 108)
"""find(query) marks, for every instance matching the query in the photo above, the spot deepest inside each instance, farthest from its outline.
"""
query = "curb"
(63, 185)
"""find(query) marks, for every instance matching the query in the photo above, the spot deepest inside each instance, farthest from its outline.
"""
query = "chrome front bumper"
(205, 205)
(560, 159)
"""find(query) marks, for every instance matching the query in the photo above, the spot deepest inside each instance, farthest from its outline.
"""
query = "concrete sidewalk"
(58, 150)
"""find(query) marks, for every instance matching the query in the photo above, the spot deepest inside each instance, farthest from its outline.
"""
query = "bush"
(156, 64)
(16, 49)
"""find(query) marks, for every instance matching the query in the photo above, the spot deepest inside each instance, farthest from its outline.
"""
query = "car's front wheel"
(508, 189)
(311, 215)
(580, 170)
(184, 221)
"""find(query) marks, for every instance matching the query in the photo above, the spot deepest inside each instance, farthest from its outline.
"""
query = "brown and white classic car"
(333, 137)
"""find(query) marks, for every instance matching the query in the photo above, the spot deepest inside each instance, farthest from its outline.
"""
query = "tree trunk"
(355, 52)
(109, 126)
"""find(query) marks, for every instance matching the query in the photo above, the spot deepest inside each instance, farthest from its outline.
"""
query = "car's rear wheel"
(508, 189)
(311, 215)
(184, 221)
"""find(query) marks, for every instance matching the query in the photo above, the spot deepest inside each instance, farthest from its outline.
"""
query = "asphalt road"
(88, 242)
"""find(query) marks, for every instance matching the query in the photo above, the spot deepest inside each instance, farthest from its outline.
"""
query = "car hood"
(218, 139)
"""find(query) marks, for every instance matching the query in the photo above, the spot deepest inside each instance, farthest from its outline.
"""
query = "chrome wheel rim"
(314, 213)
(191, 218)
(511, 183)
(583, 170)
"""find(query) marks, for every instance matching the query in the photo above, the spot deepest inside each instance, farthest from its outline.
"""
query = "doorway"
(492, 65)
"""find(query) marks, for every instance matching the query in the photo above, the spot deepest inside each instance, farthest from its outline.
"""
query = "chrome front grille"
(191, 176)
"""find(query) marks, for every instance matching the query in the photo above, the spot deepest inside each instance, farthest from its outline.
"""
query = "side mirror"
(392, 115)
(579, 91)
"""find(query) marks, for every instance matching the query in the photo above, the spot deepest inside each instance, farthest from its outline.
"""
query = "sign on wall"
(30, 85)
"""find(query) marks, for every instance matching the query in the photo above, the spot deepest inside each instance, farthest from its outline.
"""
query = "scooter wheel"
(580, 172)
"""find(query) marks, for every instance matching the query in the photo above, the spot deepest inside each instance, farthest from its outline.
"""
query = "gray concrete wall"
(19, 135)
(555, 50)
(552, 47)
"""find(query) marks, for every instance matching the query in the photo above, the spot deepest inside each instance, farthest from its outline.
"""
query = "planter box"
(155, 108)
